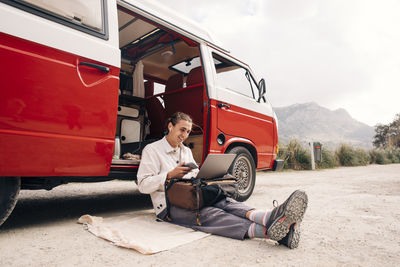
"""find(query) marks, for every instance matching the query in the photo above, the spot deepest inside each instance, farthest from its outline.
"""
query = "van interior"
(161, 74)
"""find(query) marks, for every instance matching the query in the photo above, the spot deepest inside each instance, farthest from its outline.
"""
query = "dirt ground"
(353, 219)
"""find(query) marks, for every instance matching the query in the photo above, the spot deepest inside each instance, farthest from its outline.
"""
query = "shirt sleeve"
(149, 176)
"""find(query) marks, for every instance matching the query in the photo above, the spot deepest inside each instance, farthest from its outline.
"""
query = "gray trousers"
(224, 218)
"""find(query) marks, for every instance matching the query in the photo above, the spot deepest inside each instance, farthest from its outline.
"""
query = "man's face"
(179, 132)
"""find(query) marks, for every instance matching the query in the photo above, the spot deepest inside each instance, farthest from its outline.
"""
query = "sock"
(256, 230)
(259, 216)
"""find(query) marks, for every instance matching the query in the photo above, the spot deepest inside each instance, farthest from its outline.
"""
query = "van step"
(125, 162)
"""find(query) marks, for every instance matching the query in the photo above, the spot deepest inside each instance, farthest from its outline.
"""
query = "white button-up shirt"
(157, 160)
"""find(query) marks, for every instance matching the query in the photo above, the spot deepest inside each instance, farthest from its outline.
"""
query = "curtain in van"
(138, 80)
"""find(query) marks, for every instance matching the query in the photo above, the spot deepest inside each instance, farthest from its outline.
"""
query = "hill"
(312, 122)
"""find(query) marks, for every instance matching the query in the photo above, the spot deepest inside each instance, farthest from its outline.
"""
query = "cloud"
(342, 53)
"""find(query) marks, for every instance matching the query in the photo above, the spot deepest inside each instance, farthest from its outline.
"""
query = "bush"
(385, 156)
(378, 156)
(295, 156)
(328, 160)
(349, 156)
(393, 155)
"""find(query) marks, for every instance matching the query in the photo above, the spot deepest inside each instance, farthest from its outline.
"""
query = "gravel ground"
(353, 219)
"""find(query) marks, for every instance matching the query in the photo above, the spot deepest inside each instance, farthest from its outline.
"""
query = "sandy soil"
(353, 219)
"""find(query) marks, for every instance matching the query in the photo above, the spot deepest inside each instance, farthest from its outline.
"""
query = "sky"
(337, 53)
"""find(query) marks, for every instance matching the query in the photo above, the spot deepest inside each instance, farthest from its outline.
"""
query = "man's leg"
(282, 222)
(212, 220)
(233, 207)
(231, 218)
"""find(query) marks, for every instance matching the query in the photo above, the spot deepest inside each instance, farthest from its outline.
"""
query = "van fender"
(232, 142)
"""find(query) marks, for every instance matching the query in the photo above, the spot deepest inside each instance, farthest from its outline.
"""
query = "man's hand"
(179, 171)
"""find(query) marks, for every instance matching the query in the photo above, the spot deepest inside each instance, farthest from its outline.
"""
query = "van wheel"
(9, 189)
(244, 169)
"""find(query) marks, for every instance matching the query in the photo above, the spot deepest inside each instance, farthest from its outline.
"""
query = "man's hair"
(177, 116)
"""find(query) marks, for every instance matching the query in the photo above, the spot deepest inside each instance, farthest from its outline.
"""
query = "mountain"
(310, 122)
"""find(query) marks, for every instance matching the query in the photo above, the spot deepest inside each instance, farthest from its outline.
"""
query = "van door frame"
(262, 111)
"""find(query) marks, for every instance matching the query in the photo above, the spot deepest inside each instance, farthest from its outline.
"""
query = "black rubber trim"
(278, 165)
(96, 66)
(208, 105)
(59, 19)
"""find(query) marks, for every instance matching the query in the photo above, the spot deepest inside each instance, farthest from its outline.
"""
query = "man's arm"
(149, 177)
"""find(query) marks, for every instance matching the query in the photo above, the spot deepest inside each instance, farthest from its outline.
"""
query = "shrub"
(345, 155)
(349, 156)
(363, 157)
(378, 156)
(295, 156)
(385, 156)
(328, 160)
(393, 155)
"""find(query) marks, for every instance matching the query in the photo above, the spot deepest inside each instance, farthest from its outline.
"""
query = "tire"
(244, 169)
(9, 190)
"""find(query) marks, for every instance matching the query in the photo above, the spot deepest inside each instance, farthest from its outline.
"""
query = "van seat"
(148, 89)
(189, 100)
(155, 111)
(195, 76)
(174, 82)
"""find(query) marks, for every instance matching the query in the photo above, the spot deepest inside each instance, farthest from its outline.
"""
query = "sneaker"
(283, 216)
(292, 239)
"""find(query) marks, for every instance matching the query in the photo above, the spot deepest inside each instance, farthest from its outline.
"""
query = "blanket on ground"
(140, 231)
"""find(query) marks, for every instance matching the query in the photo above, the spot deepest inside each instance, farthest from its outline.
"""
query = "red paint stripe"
(53, 135)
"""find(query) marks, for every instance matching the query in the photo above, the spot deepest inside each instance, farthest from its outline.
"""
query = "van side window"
(234, 77)
(85, 15)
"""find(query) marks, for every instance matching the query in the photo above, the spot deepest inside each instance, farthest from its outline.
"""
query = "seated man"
(164, 159)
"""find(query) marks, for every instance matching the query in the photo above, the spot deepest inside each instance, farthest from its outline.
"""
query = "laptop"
(215, 165)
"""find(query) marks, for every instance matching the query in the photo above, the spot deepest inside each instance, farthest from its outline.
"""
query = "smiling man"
(165, 159)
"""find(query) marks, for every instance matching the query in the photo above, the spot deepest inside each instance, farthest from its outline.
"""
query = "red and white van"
(78, 75)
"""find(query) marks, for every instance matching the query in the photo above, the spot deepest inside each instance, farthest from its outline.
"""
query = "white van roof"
(167, 16)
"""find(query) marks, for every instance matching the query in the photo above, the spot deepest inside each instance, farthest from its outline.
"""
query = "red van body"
(70, 89)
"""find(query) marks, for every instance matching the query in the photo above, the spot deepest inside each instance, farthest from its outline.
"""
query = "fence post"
(312, 155)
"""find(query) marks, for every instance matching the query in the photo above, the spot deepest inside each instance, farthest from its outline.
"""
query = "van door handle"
(222, 105)
(99, 67)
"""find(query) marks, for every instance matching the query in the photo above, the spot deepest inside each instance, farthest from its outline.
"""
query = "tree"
(388, 135)
(394, 132)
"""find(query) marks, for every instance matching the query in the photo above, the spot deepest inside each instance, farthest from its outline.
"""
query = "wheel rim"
(243, 172)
